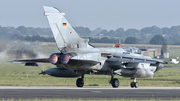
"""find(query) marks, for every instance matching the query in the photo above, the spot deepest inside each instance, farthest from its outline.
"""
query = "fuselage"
(101, 54)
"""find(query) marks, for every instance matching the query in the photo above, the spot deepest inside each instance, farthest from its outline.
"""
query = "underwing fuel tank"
(61, 72)
(134, 73)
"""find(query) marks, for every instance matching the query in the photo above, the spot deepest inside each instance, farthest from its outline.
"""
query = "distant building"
(155, 53)
(166, 55)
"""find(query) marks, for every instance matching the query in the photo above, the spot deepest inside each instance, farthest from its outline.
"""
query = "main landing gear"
(80, 81)
(134, 84)
(114, 82)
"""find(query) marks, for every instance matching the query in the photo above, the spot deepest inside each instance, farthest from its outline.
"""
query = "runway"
(22, 92)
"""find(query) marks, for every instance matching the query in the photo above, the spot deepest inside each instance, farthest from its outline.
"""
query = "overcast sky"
(107, 14)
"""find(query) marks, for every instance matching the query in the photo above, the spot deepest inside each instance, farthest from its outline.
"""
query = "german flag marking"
(64, 25)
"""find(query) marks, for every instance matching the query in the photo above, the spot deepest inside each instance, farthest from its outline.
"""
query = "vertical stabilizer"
(65, 36)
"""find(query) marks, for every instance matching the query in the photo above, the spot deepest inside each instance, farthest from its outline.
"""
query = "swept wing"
(131, 58)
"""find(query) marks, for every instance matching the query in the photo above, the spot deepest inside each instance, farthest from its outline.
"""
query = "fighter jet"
(77, 57)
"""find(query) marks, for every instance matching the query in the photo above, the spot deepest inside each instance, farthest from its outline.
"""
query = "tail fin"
(64, 34)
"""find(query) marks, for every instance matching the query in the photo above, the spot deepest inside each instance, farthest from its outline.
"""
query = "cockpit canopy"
(132, 50)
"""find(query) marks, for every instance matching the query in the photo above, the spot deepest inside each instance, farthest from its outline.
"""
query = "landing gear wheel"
(80, 82)
(115, 83)
(135, 84)
(132, 84)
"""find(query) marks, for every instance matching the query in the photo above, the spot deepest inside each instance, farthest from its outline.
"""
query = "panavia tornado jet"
(77, 57)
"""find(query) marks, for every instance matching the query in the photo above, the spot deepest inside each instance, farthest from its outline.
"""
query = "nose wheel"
(134, 84)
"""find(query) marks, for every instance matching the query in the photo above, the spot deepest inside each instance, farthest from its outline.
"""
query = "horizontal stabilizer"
(42, 60)
(32, 62)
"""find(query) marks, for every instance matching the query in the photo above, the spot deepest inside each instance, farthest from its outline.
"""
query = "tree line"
(147, 35)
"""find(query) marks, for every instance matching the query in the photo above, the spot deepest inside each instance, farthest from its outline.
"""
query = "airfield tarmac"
(53, 92)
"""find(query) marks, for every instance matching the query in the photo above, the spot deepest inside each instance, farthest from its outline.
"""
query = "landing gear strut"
(80, 81)
(134, 83)
(114, 82)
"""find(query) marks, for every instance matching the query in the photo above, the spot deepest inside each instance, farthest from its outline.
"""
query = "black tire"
(132, 84)
(79, 82)
(115, 83)
(135, 84)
